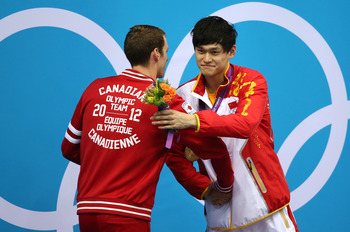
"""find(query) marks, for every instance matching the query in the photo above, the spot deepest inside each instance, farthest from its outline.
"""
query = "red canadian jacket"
(121, 154)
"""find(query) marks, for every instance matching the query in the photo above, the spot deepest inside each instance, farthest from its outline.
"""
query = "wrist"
(193, 121)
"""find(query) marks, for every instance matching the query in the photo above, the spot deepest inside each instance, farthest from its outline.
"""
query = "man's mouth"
(207, 66)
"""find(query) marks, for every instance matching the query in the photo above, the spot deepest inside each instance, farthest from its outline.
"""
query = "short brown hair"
(140, 41)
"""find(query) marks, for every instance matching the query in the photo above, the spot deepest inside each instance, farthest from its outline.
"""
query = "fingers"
(216, 197)
(172, 119)
(159, 122)
(166, 127)
(162, 123)
(161, 117)
(221, 199)
(165, 119)
(163, 112)
(209, 191)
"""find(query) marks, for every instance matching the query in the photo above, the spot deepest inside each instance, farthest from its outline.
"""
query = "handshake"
(215, 196)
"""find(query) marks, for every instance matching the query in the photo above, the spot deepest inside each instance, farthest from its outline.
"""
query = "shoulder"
(97, 83)
(192, 81)
(102, 80)
(189, 85)
(248, 74)
(248, 71)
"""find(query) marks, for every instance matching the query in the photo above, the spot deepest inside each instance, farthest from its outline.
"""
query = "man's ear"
(155, 54)
(232, 52)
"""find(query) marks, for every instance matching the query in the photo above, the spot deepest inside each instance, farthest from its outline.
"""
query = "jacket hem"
(114, 208)
(240, 227)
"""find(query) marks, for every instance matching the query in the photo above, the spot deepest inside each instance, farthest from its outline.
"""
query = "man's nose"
(207, 57)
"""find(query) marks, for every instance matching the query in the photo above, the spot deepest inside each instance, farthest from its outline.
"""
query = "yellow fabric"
(198, 123)
(202, 197)
(212, 97)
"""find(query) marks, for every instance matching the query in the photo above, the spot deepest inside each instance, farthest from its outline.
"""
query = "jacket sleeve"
(253, 99)
(208, 147)
(71, 143)
(185, 173)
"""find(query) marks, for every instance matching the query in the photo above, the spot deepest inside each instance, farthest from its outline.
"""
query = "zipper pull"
(250, 165)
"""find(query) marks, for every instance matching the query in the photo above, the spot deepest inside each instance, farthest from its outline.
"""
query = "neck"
(213, 83)
(148, 71)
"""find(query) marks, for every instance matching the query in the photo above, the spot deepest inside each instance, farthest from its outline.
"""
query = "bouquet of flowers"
(161, 94)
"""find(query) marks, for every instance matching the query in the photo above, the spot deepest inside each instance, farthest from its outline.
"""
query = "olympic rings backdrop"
(50, 51)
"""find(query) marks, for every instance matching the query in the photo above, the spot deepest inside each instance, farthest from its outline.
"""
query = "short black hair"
(140, 42)
(214, 30)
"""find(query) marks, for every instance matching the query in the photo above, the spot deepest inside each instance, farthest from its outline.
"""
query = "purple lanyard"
(222, 93)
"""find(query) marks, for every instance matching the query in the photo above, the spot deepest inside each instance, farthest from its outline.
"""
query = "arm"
(185, 173)
(71, 143)
(253, 99)
(207, 148)
(197, 184)
(211, 148)
(71, 148)
(252, 103)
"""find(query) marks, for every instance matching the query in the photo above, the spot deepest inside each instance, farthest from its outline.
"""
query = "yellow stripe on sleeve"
(198, 123)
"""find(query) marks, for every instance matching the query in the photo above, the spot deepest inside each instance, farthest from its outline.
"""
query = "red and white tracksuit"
(243, 121)
(120, 152)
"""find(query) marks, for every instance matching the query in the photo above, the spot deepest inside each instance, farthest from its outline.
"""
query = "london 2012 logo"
(335, 114)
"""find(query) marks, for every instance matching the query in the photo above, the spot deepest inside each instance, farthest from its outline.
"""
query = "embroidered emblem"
(188, 108)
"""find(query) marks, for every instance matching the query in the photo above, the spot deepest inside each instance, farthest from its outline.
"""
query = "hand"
(215, 196)
(190, 155)
(172, 119)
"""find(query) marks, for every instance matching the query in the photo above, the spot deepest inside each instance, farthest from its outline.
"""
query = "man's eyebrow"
(210, 49)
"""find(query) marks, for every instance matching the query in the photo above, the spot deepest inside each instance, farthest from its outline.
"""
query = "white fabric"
(277, 222)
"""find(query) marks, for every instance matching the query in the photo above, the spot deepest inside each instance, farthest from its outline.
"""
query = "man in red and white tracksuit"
(232, 103)
(121, 154)
(260, 188)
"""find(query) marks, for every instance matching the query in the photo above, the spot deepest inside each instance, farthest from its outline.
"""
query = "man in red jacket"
(232, 102)
(120, 152)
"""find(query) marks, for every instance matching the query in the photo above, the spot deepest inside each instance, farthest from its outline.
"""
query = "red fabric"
(111, 223)
(207, 147)
(251, 109)
(291, 216)
(185, 173)
(120, 152)
(251, 121)
(244, 123)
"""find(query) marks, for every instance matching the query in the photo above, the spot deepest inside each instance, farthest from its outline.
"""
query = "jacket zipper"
(256, 175)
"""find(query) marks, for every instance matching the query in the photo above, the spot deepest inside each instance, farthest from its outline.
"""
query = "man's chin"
(207, 72)
(160, 75)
